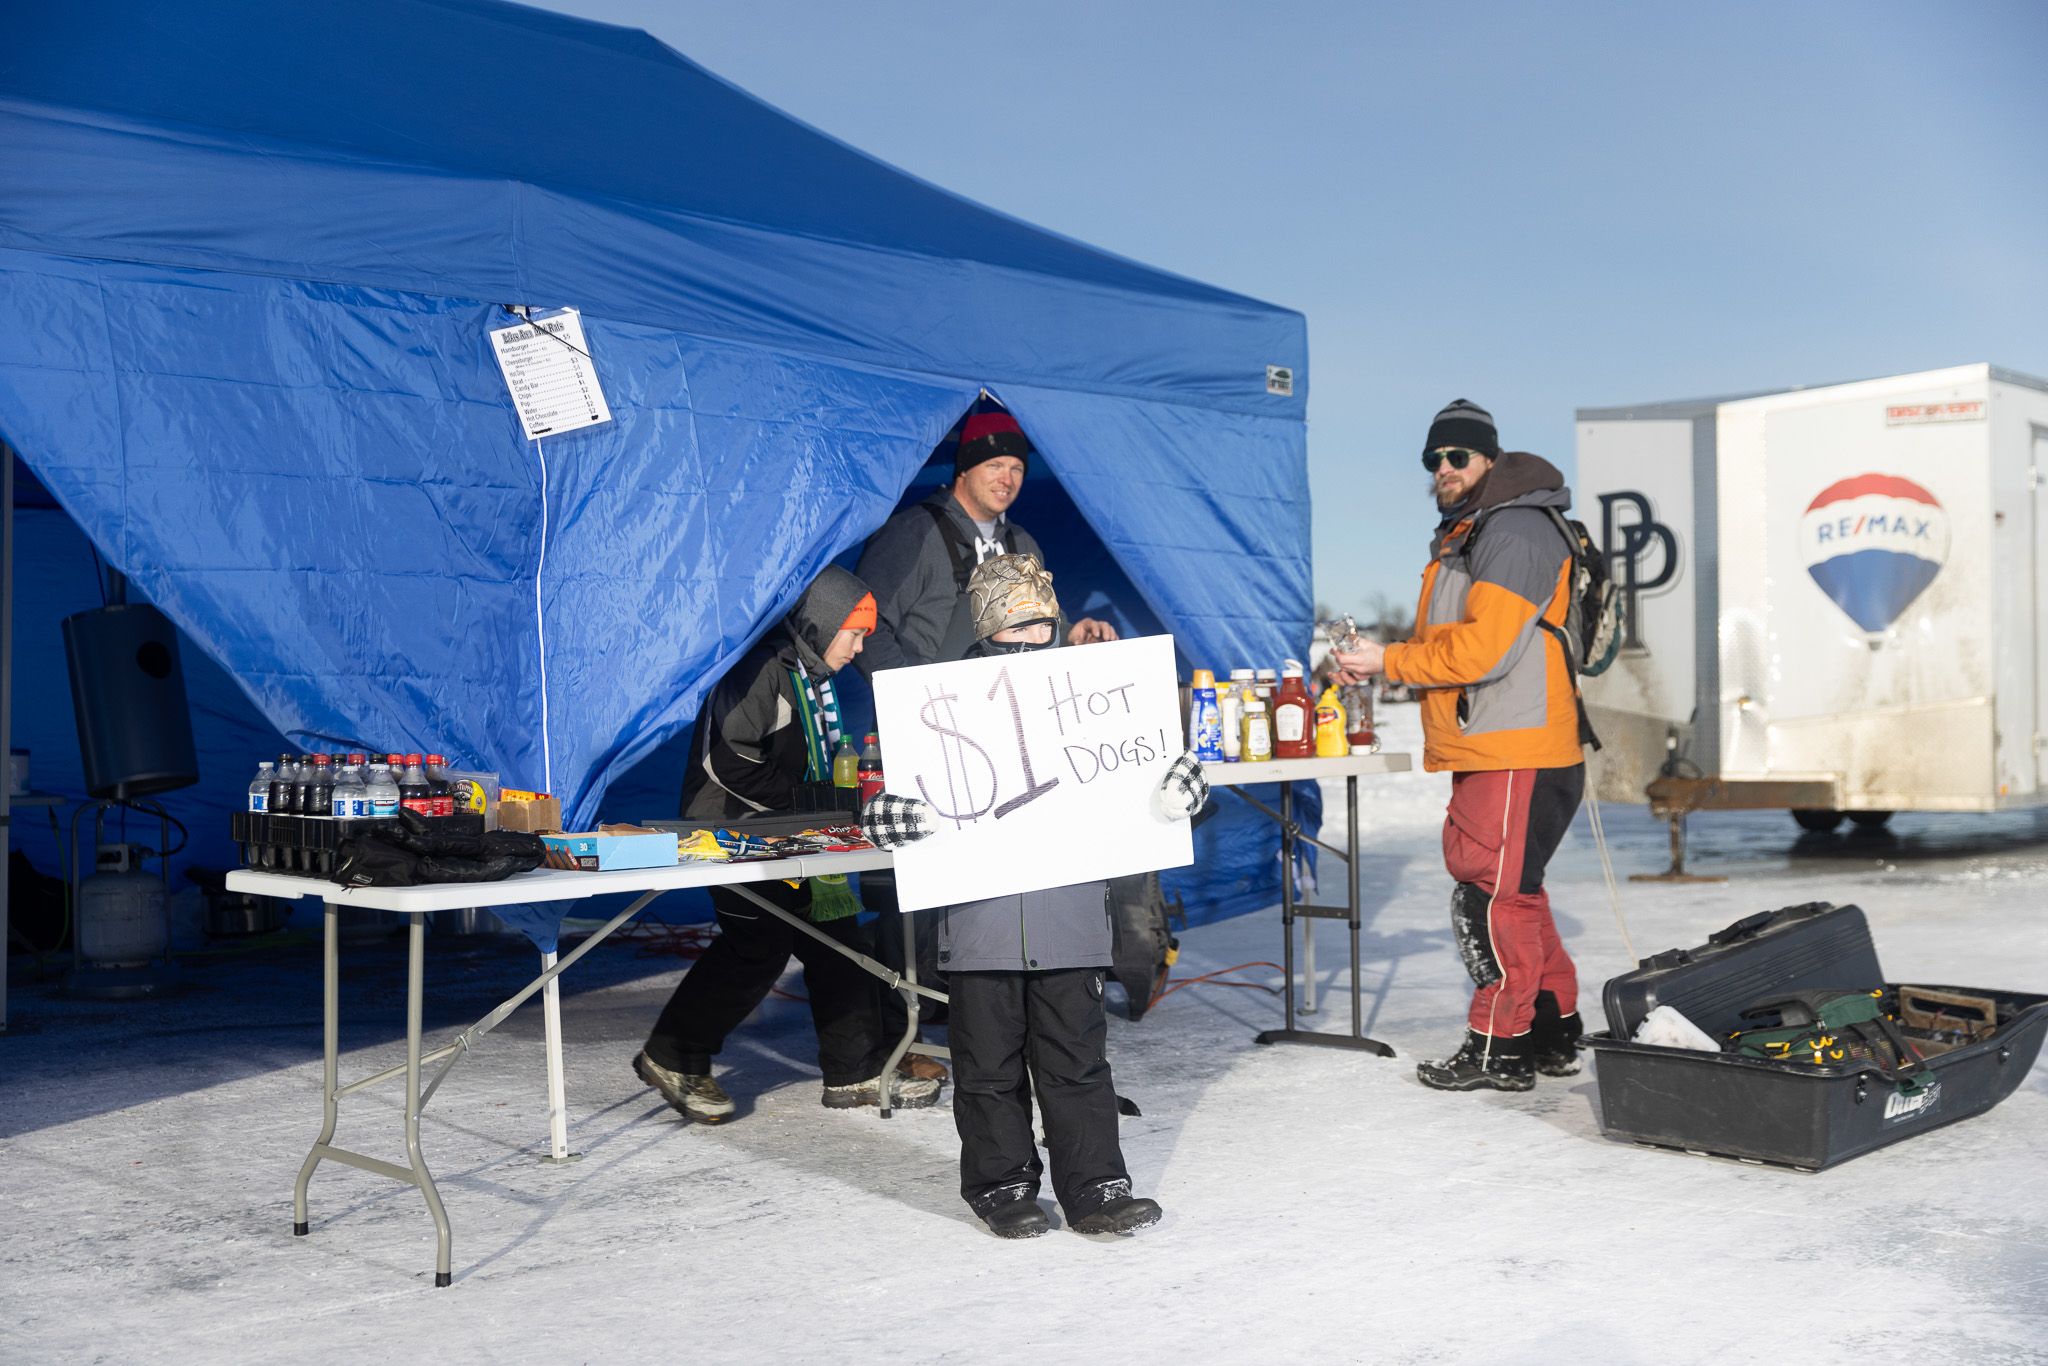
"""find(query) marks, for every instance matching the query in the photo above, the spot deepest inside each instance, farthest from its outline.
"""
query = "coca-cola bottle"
(438, 787)
(284, 795)
(414, 793)
(319, 798)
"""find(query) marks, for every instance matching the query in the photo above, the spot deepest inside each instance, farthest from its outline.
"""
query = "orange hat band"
(862, 617)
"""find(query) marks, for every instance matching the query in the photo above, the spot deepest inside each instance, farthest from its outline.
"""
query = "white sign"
(1043, 768)
(548, 369)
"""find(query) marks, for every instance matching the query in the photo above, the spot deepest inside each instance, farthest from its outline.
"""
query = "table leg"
(415, 1009)
(910, 1004)
(1308, 967)
(330, 1022)
(1287, 899)
(1351, 893)
(558, 1098)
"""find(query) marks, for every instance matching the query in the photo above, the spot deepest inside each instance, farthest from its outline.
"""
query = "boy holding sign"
(1025, 972)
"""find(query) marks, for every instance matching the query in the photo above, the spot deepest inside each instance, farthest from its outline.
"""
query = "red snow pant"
(1500, 831)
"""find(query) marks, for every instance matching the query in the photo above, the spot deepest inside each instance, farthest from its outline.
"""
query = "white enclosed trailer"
(1835, 599)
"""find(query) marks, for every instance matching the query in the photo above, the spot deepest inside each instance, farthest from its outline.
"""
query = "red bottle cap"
(394, 758)
(412, 760)
(437, 760)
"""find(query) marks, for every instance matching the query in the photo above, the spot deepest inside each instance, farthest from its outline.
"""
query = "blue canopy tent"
(249, 258)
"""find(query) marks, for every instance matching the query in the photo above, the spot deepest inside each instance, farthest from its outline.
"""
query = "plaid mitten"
(890, 822)
(1183, 791)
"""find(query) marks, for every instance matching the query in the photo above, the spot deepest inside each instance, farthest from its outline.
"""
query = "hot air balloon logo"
(1873, 543)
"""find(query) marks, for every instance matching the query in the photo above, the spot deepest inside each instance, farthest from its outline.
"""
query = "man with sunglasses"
(1500, 712)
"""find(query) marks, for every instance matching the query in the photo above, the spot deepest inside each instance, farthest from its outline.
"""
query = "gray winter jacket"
(917, 584)
(1060, 927)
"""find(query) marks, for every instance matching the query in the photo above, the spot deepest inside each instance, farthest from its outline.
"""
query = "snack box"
(603, 853)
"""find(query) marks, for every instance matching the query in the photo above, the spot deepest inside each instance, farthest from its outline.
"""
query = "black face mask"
(990, 647)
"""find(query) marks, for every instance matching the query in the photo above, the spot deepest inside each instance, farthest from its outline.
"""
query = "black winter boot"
(1012, 1212)
(1483, 1064)
(1115, 1210)
(1554, 1038)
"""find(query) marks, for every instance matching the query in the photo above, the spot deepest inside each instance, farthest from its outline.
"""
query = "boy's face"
(1037, 633)
(843, 648)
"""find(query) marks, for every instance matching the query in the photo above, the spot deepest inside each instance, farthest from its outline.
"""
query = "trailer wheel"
(1870, 820)
(1820, 821)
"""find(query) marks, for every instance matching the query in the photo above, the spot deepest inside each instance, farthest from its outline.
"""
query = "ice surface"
(1320, 1205)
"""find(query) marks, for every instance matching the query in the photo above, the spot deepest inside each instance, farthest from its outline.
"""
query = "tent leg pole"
(6, 697)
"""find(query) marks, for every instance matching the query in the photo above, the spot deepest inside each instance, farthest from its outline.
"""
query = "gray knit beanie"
(1464, 423)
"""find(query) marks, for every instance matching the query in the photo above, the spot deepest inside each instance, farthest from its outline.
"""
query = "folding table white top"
(552, 884)
(1304, 770)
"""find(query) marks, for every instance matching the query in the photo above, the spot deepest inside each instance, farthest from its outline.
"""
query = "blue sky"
(1539, 207)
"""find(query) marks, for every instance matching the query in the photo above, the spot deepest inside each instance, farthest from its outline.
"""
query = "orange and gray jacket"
(1496, 688)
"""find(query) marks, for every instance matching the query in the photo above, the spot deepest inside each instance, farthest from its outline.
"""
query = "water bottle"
(259, 791)
(351, 802)
(382, 793)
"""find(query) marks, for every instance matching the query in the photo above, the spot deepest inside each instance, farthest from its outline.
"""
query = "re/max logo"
(1913, 528)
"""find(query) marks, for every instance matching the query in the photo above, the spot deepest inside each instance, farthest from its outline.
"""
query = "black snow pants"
(736, 972)
(1052, 1023)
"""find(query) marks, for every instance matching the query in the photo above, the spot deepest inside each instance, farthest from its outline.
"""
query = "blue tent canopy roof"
(249, 259)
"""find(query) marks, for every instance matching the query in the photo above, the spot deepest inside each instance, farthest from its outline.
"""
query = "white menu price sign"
(547, 367)
(1042, 766)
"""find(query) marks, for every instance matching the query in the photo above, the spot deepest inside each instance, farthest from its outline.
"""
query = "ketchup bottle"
(1294, 735)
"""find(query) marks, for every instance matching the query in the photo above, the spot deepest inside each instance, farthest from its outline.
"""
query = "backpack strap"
(960, 547)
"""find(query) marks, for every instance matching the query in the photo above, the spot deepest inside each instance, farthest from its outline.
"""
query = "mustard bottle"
(1331, 742)
(1255, 738)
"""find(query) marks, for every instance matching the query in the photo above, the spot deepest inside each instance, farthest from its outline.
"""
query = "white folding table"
(417, 903)
(1287, 772)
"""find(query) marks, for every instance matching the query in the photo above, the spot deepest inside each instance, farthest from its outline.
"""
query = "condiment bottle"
(1255, 739)
(1358, 717)
(1293, 716)
(1205, 721)
(1230, 711)
(1331, 742)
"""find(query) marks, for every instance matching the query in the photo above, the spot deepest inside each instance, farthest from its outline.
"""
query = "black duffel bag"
(418, 851)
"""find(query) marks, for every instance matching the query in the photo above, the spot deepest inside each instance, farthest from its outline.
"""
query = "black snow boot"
(1554, 1038)
(1012, 1212)
(1483, 1064)
(1118, 1211)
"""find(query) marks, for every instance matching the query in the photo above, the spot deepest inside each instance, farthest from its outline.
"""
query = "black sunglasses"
(1457, 455)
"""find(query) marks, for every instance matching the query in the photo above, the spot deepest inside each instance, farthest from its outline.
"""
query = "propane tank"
(121, 910)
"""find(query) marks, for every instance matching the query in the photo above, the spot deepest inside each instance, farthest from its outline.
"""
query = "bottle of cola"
(414, 792)
(319, 799)
(438, 788)
(284, 797)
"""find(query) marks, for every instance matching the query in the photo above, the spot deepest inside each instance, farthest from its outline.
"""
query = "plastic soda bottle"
(438, 789)
(871, 768)
(1358, 718)
(1293, 716)
(381, 791)
(319, 799)
(259, 791)
(281, 786)
(413, 789)
(846, 765)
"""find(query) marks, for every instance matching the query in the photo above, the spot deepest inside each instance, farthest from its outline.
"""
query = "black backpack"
(1591, 634)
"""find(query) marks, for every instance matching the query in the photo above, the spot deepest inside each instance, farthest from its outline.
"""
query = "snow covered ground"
(1321, 1206)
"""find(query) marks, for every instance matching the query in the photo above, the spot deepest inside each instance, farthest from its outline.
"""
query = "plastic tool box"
(1798, 1113)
